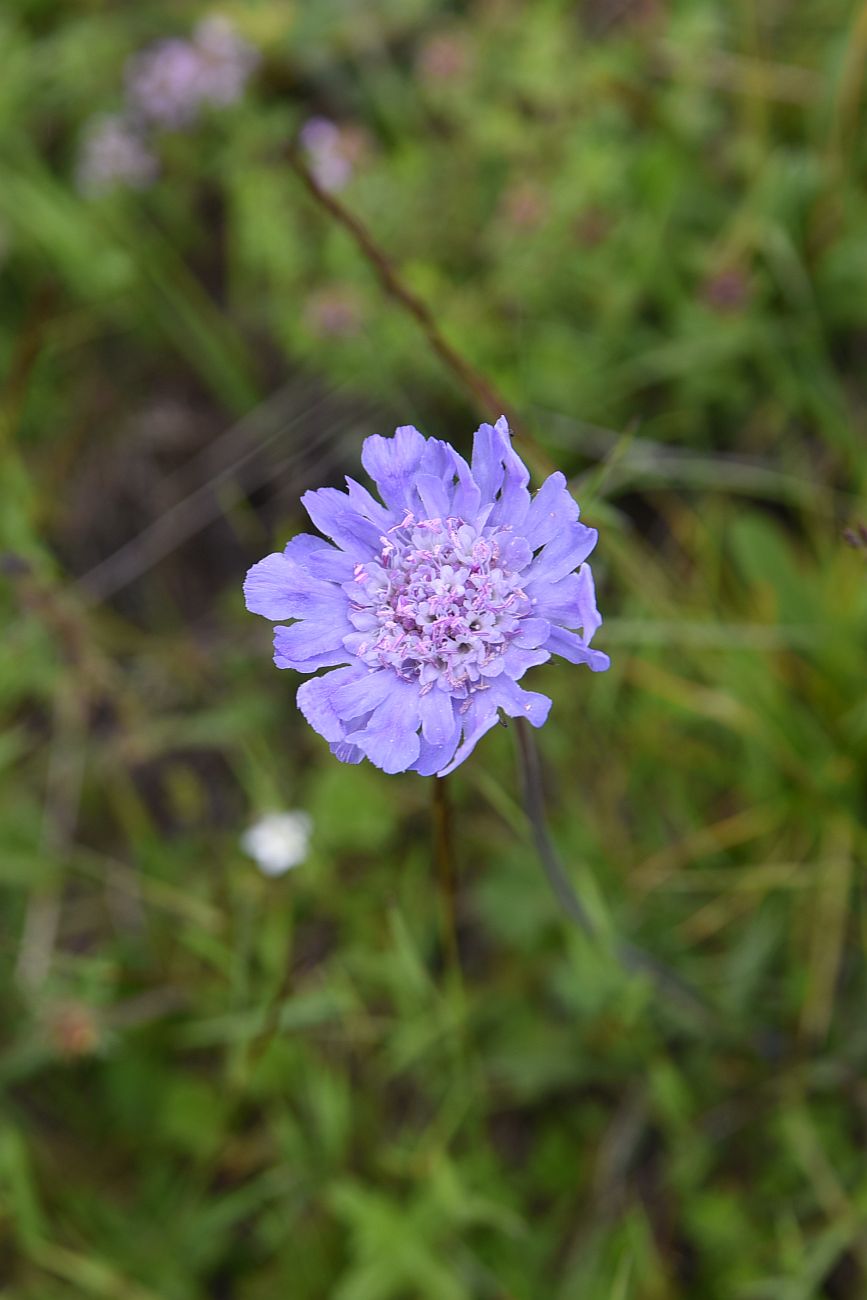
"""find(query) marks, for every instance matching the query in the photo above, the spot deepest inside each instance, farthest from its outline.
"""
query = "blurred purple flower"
(170, 82)
(431, 607)
(113, 155)
(727, 291)
(227, 61)
(443, 57)
(164, 83)
(330, 154)
(525, 205)
(333, 312)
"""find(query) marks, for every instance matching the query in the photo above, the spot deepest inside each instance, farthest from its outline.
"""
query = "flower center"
(441, 603)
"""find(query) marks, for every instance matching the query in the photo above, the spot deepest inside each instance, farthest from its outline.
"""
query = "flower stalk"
(444, 844)
(630, 957)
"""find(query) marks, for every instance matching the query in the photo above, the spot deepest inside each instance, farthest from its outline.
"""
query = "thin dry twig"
(195, 510)
(487, 397)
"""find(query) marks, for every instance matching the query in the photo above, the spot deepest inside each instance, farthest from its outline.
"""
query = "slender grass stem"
(534, 806)
(629, 956)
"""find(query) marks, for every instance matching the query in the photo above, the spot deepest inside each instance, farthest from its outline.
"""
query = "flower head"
(333, 312)
(727, 291)
(331, 152)
(444, 57)
(227, 61)
(73, 1029)
(278, 841)
(163, 83)
(430, 607)
(114, 155)
(171, 81)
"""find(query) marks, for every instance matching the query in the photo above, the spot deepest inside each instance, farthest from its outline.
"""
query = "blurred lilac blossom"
(170, 82)
(332, 312)
(524, 205)
(228, 61)
(727, 290)
(164, 83)
(443, 58)
(113, 154)
(331, 152)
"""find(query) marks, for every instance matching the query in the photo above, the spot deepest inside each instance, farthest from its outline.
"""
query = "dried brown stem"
(487, 397)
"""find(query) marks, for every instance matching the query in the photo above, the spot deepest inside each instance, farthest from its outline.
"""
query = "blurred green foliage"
(644, 222)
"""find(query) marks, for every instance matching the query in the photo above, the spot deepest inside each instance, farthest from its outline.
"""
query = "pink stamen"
(442, 624)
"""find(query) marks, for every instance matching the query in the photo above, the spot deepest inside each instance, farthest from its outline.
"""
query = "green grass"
(643, 225)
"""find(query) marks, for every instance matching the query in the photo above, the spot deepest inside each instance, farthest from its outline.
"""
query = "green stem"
(446, 873)
(629, 956)
(534, 806)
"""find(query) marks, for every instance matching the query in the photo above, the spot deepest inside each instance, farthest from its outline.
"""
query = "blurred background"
(232, 1065)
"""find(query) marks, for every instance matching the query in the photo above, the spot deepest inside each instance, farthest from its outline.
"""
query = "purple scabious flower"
(429, 608)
